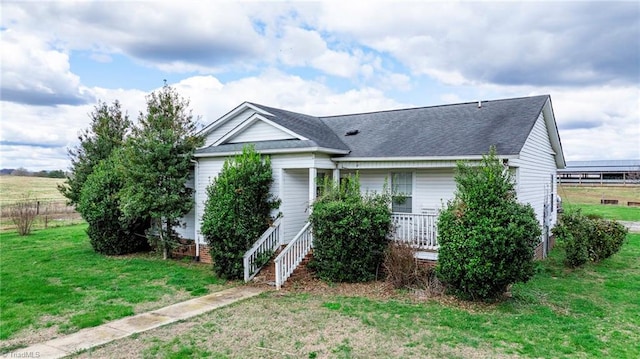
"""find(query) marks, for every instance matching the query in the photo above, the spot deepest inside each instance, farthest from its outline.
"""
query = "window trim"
(408, 198)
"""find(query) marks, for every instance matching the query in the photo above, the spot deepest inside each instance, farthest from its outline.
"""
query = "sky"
(58, 59)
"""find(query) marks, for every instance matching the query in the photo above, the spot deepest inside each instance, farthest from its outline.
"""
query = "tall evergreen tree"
(108, 130)
(156, 165)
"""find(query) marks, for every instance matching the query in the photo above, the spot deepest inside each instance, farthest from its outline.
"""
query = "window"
(402, 185)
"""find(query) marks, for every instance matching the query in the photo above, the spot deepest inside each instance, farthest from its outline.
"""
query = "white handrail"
(265, 245)
(293, 254)
(416, 229)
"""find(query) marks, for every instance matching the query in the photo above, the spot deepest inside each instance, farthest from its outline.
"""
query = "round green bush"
(350, 235)
(588, 238)
(486, 238)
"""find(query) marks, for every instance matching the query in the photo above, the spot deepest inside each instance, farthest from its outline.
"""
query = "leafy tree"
(350, 232)
(486, 237)
(108, 129)
(238, 210)
(156, 165)
(109, 231)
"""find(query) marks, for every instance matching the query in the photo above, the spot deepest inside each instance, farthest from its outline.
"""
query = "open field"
(593, 195)
(588, 200)
(51, 205)
(14, 188)
(53, 283)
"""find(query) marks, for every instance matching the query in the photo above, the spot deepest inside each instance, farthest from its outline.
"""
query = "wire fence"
(49, 213)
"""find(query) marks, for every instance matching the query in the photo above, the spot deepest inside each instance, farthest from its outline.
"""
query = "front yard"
(588, 312)
(53, 283)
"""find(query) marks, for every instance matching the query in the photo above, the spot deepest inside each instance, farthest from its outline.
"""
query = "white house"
(415, 149)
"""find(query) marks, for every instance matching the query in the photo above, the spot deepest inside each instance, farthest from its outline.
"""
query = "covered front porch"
(419, 230)
(298, 184)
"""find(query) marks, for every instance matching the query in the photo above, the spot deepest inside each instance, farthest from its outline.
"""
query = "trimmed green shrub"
(609, 238)
(99, 203)
(588, 238)
(572, 231)
(238, 210)
(350, 233)
(486, 238)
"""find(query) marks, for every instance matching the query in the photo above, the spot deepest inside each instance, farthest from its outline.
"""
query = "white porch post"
(336, 175)
(281, 174)
(313, 174)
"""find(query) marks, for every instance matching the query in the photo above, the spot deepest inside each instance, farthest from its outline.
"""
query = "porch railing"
(293, 254)
(256, 257)
(416, 229)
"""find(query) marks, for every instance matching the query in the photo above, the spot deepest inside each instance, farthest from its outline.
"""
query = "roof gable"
(255, 129)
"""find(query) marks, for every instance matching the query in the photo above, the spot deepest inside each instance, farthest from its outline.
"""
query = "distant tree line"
(25, 172)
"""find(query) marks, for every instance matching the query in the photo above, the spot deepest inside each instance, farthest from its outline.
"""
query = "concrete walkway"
(634, 227)
(96, 336)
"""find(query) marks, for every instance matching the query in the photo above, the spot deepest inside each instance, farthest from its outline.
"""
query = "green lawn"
(588, 312)
(53, 277)
(620, 213)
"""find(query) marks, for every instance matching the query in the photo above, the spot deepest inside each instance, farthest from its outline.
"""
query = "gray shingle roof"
(448, 130)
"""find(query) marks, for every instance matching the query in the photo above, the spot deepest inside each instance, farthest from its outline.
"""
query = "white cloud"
(168, 33)
(302, 47)
(33, 73)
(577, 43)
(212, 99)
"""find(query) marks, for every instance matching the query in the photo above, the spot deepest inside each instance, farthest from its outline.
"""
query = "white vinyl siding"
(295, 205)
(433, 188)
(208, 169)
(259, 131)
(370, 180)
(186, 227)
(227, 127)
(536, 167)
